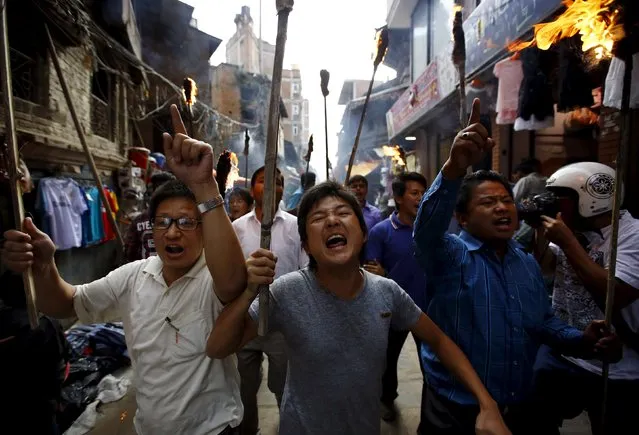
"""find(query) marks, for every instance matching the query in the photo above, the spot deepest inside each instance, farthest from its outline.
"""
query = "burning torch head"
(189, 91)
(382, 45)
(459, 46)
(324, 76)
(222, 170)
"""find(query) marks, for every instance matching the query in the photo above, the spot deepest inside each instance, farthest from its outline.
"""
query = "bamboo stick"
(12, 166)
(325, 77)
(284, 8)
(382, 47)
(622, 153)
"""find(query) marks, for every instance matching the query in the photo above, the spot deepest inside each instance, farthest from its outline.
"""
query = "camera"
(531, 209)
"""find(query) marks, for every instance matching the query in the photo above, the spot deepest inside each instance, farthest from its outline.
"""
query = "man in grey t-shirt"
(335, 319)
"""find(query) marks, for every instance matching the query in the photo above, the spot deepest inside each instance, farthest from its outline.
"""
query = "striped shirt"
(496, 310)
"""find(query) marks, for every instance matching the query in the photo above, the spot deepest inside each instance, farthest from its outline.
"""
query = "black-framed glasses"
(183, 223)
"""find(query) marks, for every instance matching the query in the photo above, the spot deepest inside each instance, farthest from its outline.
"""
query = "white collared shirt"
(179, 389)
(285, 240)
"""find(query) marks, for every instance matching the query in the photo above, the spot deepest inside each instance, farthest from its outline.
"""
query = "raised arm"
(235, 327)
(437, 207)
(192, 162)
(33, 248)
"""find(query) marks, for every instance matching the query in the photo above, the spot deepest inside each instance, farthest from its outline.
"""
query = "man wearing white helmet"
(580, 237)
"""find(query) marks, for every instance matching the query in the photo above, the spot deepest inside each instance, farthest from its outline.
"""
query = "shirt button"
(516, 363)
(512, 393)
(516, 329)
(512, 297)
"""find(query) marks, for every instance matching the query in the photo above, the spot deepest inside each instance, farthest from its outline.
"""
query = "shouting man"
(168, 303)
(335, 319)
(487, 294)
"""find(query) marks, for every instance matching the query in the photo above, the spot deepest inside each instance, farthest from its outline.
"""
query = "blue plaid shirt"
(497, 311)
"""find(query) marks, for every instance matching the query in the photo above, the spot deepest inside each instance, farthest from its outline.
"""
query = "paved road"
(116, 418)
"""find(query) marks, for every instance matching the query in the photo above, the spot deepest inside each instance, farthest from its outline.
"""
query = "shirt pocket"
(188, 336)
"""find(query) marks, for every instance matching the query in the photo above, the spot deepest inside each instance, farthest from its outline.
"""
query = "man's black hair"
(307, 180)
(356, 178)
(528, 166)
(471, 181)
(317, 193)
(258, 171)
(159, 178)
(399, 184)
(244, 194)
(171, 189)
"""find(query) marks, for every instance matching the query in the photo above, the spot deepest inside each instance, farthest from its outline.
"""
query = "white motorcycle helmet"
(593, 182)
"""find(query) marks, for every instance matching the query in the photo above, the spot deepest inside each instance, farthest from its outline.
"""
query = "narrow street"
(117, 418)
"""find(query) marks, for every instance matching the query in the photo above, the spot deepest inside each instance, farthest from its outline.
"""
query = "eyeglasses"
(183, 223)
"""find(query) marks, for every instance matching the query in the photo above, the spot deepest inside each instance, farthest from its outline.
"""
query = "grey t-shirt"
(337, 351)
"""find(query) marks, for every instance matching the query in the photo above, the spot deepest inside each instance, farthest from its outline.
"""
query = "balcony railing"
(24, 75)
(101, 118)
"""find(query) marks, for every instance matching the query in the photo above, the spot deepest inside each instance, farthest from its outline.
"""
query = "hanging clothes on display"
(575, 86)
(510, 74)
(62, 203)
(109, 232)
(92, 228)
(614, 83)
(536, 106)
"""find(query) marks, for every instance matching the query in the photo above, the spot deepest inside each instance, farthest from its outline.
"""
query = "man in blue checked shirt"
(487, 294)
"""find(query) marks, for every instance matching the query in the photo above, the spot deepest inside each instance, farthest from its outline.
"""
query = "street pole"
(13, 163)
(83, 139)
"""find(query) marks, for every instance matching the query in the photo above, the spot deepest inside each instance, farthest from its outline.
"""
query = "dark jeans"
(566, 390)
(396, 340)
(443, 417)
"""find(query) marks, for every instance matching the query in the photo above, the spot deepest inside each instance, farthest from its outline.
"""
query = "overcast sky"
(337, 35)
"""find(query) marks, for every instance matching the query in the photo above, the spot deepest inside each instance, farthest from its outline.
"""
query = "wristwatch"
(211, 204)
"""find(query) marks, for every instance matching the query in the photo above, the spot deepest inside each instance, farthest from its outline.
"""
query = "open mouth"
(504, 222)
(336, 241)
(174, 249)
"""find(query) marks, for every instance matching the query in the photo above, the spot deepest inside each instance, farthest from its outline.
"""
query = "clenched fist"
(260, 267)
(31, 248)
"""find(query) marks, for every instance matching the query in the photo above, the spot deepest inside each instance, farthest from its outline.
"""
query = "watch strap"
(211, 204)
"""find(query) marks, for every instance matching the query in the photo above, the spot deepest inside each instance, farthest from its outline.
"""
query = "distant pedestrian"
(359, 186)
(307, 180)
(240, 203)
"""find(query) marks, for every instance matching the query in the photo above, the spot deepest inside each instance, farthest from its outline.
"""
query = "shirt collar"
(154, 267)
(473, 244)
(396, 223)
(278, 215)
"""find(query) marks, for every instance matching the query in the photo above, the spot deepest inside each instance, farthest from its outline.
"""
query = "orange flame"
(234, 175)
(595, 20)
(395, 154)
(191, 88)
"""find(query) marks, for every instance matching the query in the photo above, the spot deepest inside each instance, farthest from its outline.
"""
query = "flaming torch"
(597, 22)
(12, 174)
(307, 157)
(284, 8)
(247, 141)
(381, 49)
(189, 91)
(324, 78)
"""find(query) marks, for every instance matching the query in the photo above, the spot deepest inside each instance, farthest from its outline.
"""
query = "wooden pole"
(284, 8)
(351, 161)
(13, 162)
(82, 137)
(247, 141)
(622, 153)
(324, 79)
(382, 47)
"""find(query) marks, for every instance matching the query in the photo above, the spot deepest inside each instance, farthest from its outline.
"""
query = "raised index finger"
(475, 112)
(176, 119)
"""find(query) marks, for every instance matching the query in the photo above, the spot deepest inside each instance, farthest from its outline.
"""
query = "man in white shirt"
(567, 386)
(168, 303)
(286, 244)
